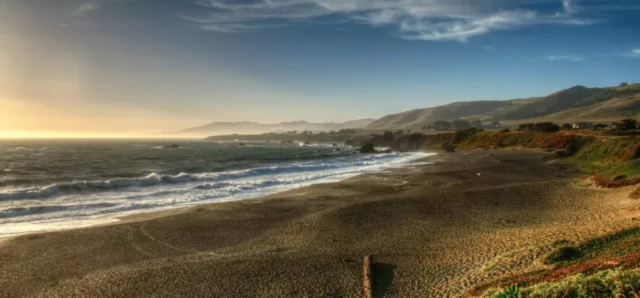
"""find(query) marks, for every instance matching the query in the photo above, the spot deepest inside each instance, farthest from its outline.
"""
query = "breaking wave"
(154, 179)
(86, 200)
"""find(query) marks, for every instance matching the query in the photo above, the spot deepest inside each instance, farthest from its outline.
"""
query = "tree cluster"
(539, 127)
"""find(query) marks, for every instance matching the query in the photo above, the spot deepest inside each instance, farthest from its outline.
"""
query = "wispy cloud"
(414, 19)
(85, 8)
(572, 58)
(488, 48)
(235, 28)
(634, 53)
(570, 6)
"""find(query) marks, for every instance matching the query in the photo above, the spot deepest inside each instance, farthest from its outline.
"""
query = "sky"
(122, 67)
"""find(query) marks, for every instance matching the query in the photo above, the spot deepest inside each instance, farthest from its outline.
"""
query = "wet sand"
(435, 230)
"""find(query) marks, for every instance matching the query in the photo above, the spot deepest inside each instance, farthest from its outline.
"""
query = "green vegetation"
(606, 283)
(611, 159)
(621, 248)
(629, 168)
(540, 126)
(606, 265)
(608, 157)
(512, 291)
(608, 150)
(614, 245)
(524, 139)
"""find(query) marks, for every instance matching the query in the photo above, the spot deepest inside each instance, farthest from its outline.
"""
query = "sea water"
(58, 184)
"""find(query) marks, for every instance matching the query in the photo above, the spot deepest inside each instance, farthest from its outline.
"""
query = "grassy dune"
(605, 156)
(605, 283)
(601, 267)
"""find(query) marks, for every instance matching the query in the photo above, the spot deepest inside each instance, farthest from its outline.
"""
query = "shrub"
(512, 291)
(463, 134)
(629, 124)
(563, 254)
(539, 127)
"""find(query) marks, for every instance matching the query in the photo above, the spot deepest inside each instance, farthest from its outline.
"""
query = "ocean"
(60, 184)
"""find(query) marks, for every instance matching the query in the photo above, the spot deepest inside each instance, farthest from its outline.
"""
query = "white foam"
(103, 201)
(8, 230)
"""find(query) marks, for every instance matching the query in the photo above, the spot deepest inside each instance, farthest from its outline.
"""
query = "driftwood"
(368, 276)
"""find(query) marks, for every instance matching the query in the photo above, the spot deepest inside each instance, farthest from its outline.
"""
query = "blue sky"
(157, 64)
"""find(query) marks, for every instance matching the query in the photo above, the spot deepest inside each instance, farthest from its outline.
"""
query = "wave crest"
(154, 179)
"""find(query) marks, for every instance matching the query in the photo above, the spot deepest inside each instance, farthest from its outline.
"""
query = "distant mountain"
(246, 127)
(577, 103)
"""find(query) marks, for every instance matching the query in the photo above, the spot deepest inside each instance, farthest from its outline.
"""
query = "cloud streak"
(413, 19)
(634, 53)
(85, 8)
(571, 58)
(237, 28)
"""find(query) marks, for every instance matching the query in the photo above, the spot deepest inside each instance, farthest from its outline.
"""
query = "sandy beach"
(435, 230)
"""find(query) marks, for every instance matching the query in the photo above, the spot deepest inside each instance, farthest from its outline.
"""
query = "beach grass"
(606, 283)
(608, 266)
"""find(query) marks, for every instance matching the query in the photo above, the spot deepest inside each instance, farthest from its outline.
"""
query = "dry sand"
(435, 231)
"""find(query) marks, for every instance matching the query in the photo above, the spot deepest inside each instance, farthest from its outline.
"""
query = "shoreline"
(127, 216)
(435, 230)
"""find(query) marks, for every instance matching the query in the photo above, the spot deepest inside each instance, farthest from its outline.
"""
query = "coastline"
(28, 227)
(433, 228)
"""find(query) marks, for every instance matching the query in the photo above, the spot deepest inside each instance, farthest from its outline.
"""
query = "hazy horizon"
(132, 68)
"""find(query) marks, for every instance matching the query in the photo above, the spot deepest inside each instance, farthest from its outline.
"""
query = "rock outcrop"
(368, 148)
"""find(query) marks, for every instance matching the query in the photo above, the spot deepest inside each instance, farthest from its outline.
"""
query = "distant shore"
(436, 230)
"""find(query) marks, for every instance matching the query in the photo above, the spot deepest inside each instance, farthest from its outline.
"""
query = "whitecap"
(81, 200)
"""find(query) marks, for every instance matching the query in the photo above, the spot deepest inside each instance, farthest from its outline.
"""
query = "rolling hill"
(574, 104)
(616, 108)
(246, 127)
